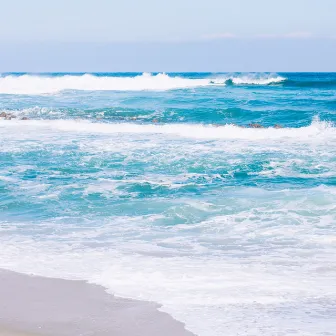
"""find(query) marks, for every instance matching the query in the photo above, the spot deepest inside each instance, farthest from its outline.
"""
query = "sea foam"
(43, 84)
(316, 130)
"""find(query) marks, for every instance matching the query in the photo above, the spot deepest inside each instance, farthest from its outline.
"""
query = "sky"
(170, 35)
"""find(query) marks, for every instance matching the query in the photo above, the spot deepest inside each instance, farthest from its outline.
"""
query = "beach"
(209, 197)
(31, 305)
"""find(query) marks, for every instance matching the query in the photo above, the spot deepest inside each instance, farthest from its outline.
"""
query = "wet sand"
(32, 306)
(12, 332)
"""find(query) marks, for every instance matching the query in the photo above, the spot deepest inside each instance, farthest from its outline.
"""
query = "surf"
(316, 130)
(37, 84)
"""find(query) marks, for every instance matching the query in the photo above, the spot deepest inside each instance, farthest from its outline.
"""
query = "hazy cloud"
(218, 36)
(293, 35)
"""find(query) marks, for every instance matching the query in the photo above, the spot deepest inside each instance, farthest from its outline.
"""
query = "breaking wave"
(49, 84)
(255, 80)
(316, 130)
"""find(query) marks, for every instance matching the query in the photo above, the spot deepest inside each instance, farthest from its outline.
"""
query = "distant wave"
(42, 84)
(254, 80)
(35, 84)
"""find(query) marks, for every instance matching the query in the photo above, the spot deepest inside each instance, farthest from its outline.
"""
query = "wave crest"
(42, 84)
(255, 80)
(316, 130)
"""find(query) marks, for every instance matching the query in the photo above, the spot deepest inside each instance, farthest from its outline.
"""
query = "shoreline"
(39, 306)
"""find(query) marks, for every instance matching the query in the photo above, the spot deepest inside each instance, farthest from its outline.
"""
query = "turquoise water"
(151, 185)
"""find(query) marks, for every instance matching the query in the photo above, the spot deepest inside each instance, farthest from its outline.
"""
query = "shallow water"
(232, 229)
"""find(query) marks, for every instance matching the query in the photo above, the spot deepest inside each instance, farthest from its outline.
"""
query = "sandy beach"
(31, 305)
(12, 332)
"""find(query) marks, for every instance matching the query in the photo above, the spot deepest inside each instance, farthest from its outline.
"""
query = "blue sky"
(198, 35)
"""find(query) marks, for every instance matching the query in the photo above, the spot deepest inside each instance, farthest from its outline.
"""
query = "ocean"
(154, 186)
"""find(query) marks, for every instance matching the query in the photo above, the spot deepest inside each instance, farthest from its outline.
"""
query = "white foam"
(208, 274)
(35, 84)
(318, 130)
(38, 84)
(239, 254)
(257, 79)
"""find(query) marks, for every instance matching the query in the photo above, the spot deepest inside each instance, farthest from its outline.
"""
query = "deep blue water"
(155, 186)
